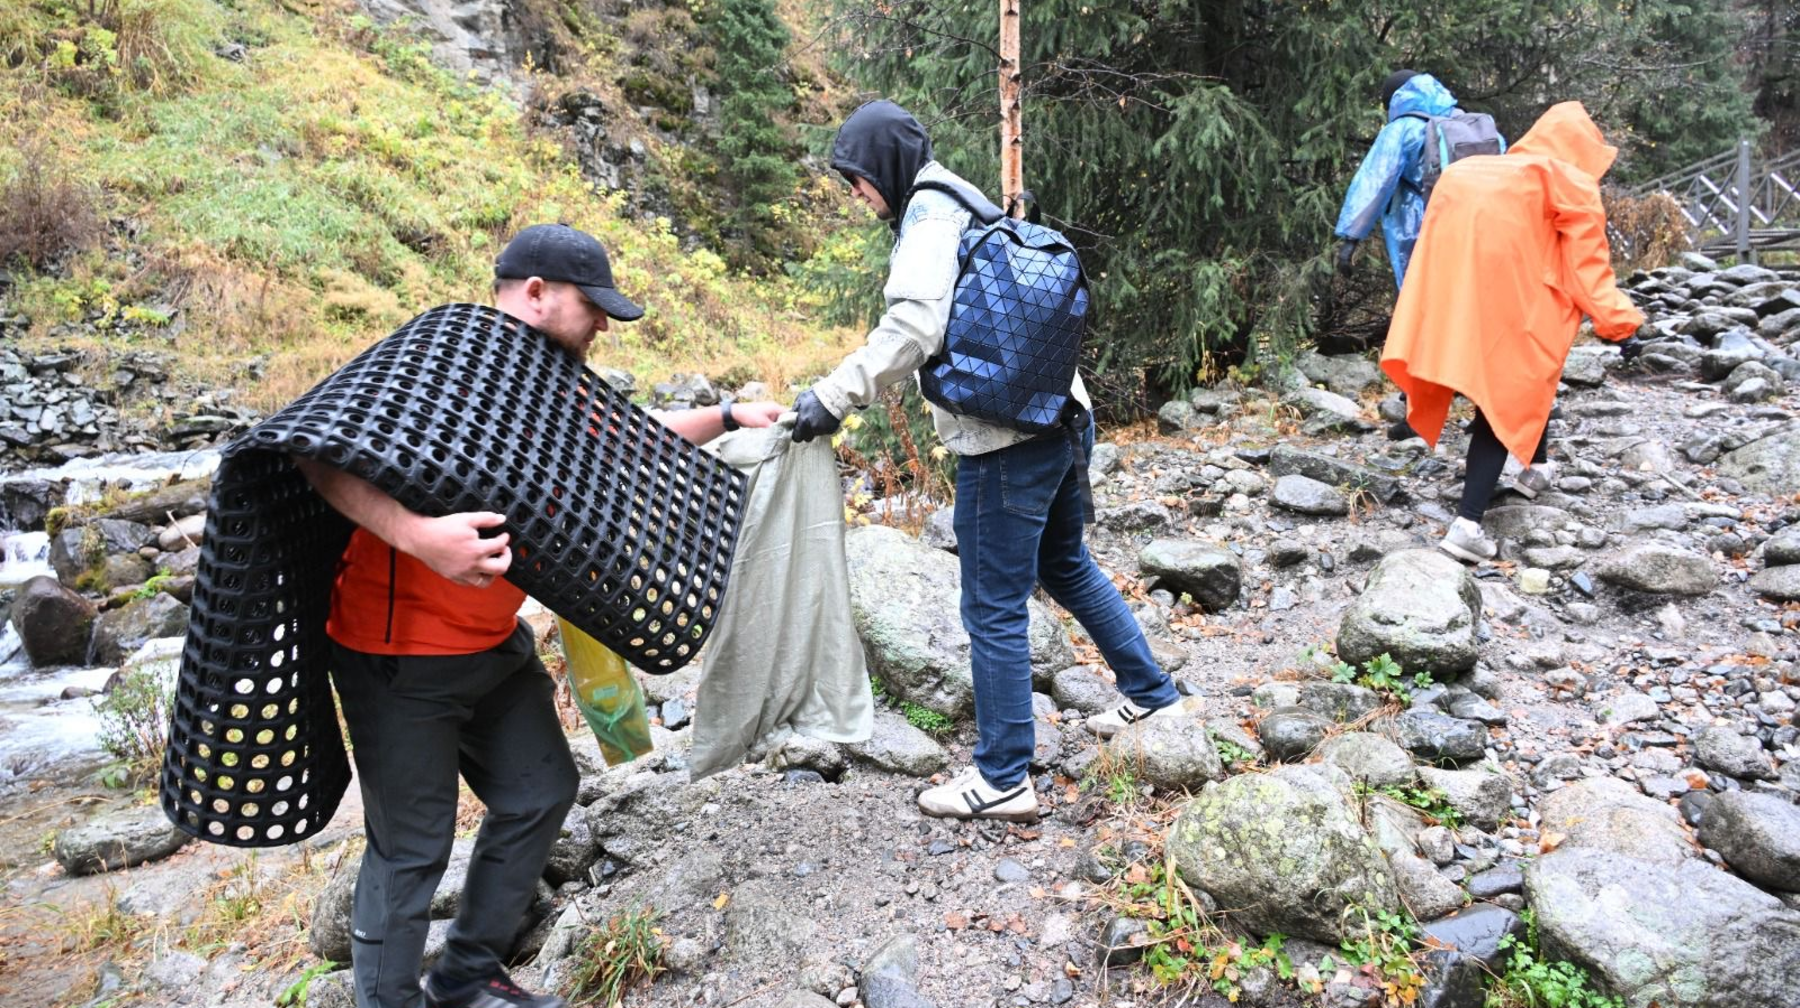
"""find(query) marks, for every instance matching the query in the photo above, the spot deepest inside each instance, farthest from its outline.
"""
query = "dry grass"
(1645, 231)
(46, 211)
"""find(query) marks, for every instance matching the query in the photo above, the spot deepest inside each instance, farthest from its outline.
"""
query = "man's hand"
(813, 419)
(756, 414)
(1345, 252)
(1630, 347)
(453, 547)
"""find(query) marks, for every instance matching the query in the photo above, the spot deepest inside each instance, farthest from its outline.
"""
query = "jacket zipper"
(393, 567)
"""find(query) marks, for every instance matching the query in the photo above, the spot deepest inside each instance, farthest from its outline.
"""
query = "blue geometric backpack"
(1016, 324)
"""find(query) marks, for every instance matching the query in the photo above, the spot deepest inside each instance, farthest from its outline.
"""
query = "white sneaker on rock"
(1534, 480)
(1109, 723)
(1464, 541)
(969, 796)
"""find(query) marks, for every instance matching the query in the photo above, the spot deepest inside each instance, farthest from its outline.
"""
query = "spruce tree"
(757, 157)
(1199, 151)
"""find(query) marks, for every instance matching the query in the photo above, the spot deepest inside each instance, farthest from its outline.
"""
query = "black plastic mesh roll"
(618, 525)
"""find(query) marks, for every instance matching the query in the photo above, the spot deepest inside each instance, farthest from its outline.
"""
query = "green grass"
(300, 204)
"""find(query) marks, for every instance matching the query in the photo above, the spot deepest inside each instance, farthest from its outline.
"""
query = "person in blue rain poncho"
(1386, 185)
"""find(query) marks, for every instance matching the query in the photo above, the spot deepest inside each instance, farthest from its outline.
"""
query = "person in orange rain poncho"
(1512, 254)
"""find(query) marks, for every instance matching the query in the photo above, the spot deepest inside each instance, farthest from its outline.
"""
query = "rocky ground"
(1610, 726)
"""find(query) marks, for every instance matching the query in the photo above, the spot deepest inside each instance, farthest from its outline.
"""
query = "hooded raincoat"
(1512, 254)
(1386, 186)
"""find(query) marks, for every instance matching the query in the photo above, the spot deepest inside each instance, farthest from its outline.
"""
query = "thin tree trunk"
(1012, 170)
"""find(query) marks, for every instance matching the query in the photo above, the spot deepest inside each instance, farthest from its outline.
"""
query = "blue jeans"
(1019, 524)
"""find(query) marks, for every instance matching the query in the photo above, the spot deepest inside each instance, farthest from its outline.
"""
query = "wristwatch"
(730, 421)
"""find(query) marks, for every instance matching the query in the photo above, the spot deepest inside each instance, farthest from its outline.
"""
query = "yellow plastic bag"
(608, 694)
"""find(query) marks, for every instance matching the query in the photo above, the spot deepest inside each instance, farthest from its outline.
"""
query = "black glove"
(813, 419)
(1346, 250)
(1630, 347)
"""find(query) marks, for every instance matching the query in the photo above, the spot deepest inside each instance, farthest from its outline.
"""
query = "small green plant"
(295, 993)
(1187, 950)
(1383, 952)
(1429, 800)
(615, 957)
(1230, 752)
(1530, 981)
(152, 585)
(1383, 675)
(925, 719)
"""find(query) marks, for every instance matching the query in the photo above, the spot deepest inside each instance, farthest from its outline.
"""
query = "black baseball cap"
(559, 252)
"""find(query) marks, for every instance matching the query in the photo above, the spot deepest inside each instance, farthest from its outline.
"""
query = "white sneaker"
(1464, 541)
(1110, 723)
(969, 796)
(1534, 480)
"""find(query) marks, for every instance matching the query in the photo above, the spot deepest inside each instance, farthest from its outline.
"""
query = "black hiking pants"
(415, 723)
(1487, 458)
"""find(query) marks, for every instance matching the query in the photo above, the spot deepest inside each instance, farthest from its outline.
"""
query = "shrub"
(1645, 231)
(46, 211)
(134, 718)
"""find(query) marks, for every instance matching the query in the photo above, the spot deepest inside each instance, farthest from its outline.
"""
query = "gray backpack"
(1451, 138)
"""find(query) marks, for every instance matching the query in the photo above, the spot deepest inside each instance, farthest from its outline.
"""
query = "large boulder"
(1336, 472)
(1172, 753)
(1682, 935)
(903, 596)
(54, 623)
(1211, 575)
(1283, 851)
(1420, 608)
(1608, 815)
(1660, 569)
(118, 840)
(898, 747)
(118, 632)
(1346, 374)
(1779, 583)
(1768, 465)
(1758, 835)
(1308, 496)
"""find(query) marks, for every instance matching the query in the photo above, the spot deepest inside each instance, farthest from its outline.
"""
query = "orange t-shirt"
(389, 602)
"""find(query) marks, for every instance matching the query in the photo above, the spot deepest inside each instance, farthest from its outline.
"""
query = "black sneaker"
(1400, 431)
(498, 991)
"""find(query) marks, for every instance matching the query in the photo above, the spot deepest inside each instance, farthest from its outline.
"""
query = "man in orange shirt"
(437, 675)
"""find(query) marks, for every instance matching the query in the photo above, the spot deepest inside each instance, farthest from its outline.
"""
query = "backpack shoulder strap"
(978, 205)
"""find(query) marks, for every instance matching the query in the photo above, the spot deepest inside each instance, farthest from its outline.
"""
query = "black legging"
(1487, 457)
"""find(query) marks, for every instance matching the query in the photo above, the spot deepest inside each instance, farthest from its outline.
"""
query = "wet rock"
(1368, 757)
(1779, 583)
(118, 840)
(1607, 815)
(1208, 574)
(1770, 464)
(1420, 607)
(1285, 851)
(1308, 496)
(1660, 569)
(898, 747)
(1720, 748)
(1437, 737)
(1285, 460)
(1758, 835)
(53, 622)
(1172, 753)
(1291, 733)
(916, 644)
(121, 631)
(1682, 935)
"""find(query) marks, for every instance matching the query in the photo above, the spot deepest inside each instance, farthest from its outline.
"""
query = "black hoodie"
(883, 143)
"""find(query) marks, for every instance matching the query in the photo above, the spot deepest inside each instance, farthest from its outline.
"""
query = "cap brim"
(614, 304)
